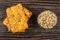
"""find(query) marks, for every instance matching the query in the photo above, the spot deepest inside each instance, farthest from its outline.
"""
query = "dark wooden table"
(34, 32)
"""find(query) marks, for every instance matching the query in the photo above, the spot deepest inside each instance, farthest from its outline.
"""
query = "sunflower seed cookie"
(47, 19)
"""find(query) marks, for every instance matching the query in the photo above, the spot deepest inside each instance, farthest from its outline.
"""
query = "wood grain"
(34, 32)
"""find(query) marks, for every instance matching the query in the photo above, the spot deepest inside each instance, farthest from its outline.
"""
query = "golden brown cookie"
(17, 18)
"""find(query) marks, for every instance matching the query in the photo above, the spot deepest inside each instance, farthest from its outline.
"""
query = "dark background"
(34, 32)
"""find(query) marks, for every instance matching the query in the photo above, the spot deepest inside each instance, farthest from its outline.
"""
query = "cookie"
(17, 18)
(47, 19)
